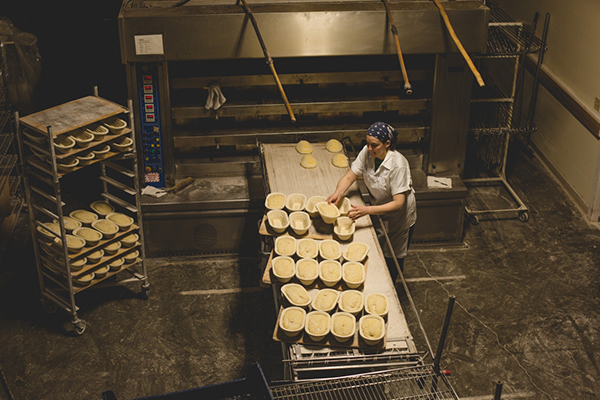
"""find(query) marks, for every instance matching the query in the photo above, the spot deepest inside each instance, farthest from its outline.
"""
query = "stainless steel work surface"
(284, 174)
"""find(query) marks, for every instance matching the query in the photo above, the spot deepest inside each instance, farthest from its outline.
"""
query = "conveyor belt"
(284, 174)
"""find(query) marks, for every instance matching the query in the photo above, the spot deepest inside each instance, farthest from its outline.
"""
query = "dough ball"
(340, 161)
(303, 147)
(309, 162)
(333, 146)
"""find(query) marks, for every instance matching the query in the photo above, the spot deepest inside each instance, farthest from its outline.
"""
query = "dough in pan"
(307, 268)
(353, 272)
(372, 328)
(377, 304)
(325, 300)
(297, 295)
(330, 249)
(351, 301)
(307, 248)
(293, 319)
(284, 267)
(331, 270)
(343, 325)
(318, 324)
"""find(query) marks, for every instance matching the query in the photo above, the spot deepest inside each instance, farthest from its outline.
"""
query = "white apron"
(392, 176)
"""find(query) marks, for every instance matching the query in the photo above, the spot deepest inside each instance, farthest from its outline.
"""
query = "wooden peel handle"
(459, 44)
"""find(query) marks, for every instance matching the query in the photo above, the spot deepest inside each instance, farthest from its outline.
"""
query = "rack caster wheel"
(79, 327)
(523, 216)
(49, 307)
(145, 294)
(473, 219)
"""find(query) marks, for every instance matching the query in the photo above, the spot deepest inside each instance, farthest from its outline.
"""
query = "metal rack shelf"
(57, 278)
(497, 118)
(507, 38)
(417, 382)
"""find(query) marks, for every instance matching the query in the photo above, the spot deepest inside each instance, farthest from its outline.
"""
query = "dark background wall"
(79, 46)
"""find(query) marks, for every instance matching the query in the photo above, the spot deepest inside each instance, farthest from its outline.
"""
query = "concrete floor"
(527, 313)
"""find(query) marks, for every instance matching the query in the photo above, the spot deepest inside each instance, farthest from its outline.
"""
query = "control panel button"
(149, 107)
(147, 78)
(150, 118)
(148, 169)
(148, 89)
(148, 98)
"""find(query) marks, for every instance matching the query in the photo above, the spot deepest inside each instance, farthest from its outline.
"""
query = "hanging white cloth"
(215, 97)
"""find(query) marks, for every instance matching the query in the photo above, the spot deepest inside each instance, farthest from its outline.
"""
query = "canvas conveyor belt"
(283, 173)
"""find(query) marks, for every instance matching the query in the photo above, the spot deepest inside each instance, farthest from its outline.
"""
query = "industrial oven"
(338, 66)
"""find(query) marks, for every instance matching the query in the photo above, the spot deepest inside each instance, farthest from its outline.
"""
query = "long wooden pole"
(268, 59)
(407, 85)
(459, 44)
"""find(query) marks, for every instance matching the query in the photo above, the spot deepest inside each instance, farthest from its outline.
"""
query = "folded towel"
(439, 183)
(154, 192)
(215, 97)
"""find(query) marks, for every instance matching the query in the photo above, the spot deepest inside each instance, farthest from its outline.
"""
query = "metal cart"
(43, 180)
(496, 109)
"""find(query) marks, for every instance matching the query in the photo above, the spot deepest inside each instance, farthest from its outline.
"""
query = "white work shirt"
(391, 178)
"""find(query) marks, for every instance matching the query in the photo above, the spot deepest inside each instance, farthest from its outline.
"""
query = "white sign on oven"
(148, 44)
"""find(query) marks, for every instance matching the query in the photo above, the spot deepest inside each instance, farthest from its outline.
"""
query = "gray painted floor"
(527, 314)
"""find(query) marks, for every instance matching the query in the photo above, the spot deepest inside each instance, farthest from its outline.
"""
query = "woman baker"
(386, 174)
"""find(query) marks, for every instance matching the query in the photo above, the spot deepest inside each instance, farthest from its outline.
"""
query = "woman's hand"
(357, 211)
(333, 198)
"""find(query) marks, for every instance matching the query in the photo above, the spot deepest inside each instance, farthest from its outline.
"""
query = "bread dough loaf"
(89, 234)
(304, 147)
(317, 324)
(372, 328)
(340, 161)
(275, 201)
(307, 269)
(377, 304)
(96, 254)
(331, 270)
(102, 208)
(292, 320)
(309, 162)
(105, 225)
(70, 223)
(330, 249)
(120, 219)
(307, 248)
(343, 325)
(283, 267)
(351, 301)
(333, 146)
(84, 216)
(296, 294)
(325, 300)
(286, 246)
(356, 251)
(353, 272)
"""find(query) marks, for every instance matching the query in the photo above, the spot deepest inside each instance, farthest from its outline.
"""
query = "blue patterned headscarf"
(382, 131)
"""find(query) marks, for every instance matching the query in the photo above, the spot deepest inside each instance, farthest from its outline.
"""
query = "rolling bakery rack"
(11, 199)
(62, 271)
(497, 108)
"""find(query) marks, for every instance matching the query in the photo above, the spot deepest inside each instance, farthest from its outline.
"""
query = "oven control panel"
(150, 124)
